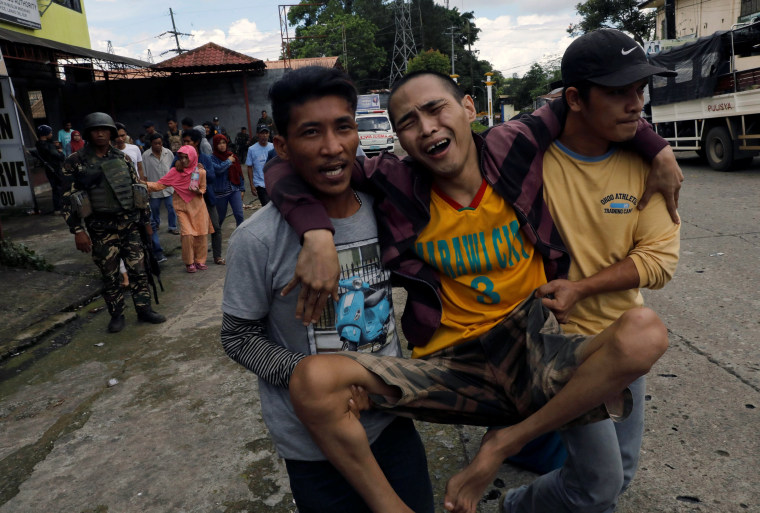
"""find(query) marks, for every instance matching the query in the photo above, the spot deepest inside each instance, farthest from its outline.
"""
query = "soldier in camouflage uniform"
(107, 198)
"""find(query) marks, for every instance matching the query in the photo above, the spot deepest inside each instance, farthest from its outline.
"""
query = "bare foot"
(465, 489)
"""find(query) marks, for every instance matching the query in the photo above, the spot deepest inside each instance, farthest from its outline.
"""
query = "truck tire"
(719, 149)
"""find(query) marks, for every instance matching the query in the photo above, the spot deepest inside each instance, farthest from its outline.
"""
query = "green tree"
(432, 27)
(431, 60)
(619, 14)
(362, 57)
(377, 32)
(534, 83)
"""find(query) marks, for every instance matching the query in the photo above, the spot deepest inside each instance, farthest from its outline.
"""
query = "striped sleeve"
(246, 342)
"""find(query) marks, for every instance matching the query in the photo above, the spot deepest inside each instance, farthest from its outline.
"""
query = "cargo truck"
(713, 105)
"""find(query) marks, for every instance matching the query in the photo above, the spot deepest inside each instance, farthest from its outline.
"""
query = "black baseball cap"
(262, 128)
(607, 57)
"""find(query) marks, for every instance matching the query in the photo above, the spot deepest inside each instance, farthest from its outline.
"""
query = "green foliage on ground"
(478, 127)
(19, 255)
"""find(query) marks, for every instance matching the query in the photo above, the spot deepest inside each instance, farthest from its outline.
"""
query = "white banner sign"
(15, 191)
(20, 12)
(368, 102)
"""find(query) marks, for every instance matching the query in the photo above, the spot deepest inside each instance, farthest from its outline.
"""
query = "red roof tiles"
(210, 57)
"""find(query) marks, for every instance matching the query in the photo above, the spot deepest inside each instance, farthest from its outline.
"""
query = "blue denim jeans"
(155, 220)
(235, 200)
(318, 487)
(601, 462)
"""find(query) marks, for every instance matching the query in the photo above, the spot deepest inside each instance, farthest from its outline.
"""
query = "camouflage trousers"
(117, 238)
(497, 379)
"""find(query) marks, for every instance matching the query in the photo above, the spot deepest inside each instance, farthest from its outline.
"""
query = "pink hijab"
(180, 180)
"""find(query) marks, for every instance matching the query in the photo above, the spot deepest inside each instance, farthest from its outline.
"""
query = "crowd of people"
(53, 147)
(194, 173)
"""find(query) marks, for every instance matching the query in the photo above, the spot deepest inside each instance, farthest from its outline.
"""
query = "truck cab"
(375, 131)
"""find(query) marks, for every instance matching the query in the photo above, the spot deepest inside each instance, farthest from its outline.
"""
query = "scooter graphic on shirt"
(361, 315)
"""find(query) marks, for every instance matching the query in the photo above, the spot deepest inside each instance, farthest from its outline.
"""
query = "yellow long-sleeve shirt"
(593, 200)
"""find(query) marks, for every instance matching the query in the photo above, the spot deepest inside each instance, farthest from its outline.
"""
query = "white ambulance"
(375, 132)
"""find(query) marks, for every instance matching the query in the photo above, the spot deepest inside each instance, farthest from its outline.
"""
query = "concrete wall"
(701, 17)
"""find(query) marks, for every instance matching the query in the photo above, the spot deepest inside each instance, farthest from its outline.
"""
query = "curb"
(35, 332)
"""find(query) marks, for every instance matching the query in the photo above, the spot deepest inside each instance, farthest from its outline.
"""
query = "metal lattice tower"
(403, 46)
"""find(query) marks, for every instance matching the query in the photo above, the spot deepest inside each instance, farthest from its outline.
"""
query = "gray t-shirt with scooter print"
(262, 261)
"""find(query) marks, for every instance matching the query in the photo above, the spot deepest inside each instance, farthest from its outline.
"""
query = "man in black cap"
(52, 158)
(217, 128)
(591, 187)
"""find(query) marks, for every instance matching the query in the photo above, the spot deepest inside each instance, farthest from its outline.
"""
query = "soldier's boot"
(116, 324)
(146, 314)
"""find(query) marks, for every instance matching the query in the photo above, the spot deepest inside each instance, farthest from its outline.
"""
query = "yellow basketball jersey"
(486, 265)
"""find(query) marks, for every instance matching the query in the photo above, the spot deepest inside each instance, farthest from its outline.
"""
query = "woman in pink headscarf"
(189, 182)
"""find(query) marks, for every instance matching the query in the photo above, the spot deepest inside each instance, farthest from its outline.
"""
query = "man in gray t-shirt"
(315, 109)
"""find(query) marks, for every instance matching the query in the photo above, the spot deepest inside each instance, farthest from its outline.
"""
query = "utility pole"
(451, 30)
(422, 29)
(174, 31)
(176, 35)
(345, 53)
(489, 84)
(469, 50)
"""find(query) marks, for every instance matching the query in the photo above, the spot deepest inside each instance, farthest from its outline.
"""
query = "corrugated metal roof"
(76, 51)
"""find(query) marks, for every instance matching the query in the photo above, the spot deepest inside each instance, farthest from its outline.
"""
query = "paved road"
(181, 430)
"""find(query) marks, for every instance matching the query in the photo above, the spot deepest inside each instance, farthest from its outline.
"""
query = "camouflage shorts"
(495, 380)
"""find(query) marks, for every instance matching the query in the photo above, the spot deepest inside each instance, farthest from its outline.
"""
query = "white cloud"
(241, 36)
(513, 44)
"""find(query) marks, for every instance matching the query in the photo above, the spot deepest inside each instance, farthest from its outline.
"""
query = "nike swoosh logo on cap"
(626, 52)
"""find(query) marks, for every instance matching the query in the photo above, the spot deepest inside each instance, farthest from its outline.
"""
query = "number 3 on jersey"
(489, 297)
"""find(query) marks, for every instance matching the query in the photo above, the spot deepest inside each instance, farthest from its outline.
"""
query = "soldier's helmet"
(98, 120)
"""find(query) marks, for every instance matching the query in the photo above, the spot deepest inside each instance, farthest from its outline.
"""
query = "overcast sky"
(514, 33)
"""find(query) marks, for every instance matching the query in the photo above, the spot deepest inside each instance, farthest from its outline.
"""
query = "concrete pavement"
(180, 430)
